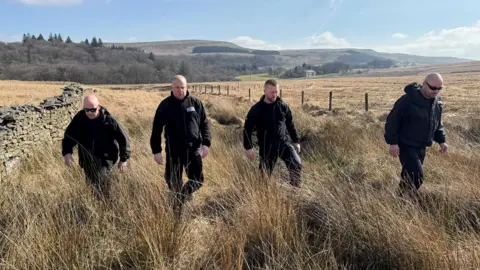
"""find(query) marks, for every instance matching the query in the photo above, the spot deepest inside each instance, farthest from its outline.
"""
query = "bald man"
(101, 141)
(187, 139)
(413, 124)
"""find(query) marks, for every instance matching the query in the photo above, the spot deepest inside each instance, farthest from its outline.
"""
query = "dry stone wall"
(22, 128)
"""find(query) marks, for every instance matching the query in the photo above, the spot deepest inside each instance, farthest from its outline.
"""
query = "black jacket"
(103, 137)
(415, 120)
(273, 123)
(186, 125)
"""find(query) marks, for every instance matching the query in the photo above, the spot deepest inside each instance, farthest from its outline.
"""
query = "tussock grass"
(346, 215)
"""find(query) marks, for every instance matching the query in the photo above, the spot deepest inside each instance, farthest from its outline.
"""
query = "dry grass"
(346, 215)
(15, 93)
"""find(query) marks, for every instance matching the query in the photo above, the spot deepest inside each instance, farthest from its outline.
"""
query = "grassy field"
(345, 216)
(15, 93)
(253, 77)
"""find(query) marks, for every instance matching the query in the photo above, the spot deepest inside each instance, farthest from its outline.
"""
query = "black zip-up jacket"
(415, 120)
(273, 123)
(103, 137)
(186, 125)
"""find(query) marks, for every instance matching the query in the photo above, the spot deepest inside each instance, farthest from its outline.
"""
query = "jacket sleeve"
(123, 141)
(248, 128)
(440, 134)
(157, 129)
(69, 140)
(205, 127)
(292, 130)
(394, 121)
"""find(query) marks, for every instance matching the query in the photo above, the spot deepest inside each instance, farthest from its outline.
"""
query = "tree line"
(92, 62)
(334, 67)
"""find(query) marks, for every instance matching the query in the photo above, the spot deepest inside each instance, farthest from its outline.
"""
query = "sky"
(421, 27)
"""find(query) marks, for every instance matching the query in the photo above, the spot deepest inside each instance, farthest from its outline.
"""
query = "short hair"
(271, 82)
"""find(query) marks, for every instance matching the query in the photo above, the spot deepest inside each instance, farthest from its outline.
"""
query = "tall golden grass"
(346, 215)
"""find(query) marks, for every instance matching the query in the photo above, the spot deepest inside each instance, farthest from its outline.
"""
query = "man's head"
(179, 86)
(91, 106)
(432, 85)
(270, 90)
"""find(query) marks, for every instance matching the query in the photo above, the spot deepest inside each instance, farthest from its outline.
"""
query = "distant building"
(310, 73)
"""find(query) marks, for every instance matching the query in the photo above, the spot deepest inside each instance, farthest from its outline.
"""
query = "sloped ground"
(346, 215)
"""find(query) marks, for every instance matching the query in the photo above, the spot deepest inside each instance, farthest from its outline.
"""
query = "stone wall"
(22, 128)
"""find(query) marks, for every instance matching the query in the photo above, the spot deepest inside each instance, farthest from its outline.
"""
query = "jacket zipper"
(185, 125)
(430, 120)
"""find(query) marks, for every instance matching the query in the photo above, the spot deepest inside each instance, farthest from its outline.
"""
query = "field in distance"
(348, 93)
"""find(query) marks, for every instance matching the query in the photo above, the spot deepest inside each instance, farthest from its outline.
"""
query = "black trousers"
(177, 161)
(287, 153)
(97, 174)
(411, 159)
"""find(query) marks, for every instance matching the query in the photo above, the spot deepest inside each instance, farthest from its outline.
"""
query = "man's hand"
(68, 158)
(204, 151)
(250, 154)
(443, 148)
(158, 158)
(394, 150)
(297, 147)
(122, 166)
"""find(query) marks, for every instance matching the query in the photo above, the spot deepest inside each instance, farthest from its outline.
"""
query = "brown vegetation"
(346, 215)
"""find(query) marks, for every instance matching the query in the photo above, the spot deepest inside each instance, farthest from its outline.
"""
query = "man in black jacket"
(276, 133)
(101, 140)
(187, 139)
(413, 124)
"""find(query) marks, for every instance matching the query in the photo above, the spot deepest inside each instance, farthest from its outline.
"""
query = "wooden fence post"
(219, 89)
(205, 88)
(366, 102)
(228, 90)
(330, 101)
(281, 92)
(303, 96)
(249, 94)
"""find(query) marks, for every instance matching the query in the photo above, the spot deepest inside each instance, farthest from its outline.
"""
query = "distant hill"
(472, 66)
(287, 58)
(176, 47)
(95, 62)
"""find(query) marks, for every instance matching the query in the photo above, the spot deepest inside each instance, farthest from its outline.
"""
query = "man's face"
(270, 92)
(179, 89)
(91, 110)
(432, 88)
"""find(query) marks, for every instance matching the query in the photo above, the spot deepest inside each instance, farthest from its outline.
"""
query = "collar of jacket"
(276, 100)
(418, 99)
(187, 94)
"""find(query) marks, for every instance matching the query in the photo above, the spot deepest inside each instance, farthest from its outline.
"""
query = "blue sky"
(423, 27)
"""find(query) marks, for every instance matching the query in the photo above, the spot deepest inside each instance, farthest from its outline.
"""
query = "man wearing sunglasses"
(414, 123)
(101, 141)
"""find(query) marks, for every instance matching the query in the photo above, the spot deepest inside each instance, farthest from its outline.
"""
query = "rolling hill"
(288, 58)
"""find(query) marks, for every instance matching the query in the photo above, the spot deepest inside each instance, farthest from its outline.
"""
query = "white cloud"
(458, 42)
(326, 40)
(399, 36)
(132, 39)
(51, 2)
(251, 43)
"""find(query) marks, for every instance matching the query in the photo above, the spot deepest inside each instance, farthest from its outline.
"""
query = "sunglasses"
(92, 110)
(434, 88)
